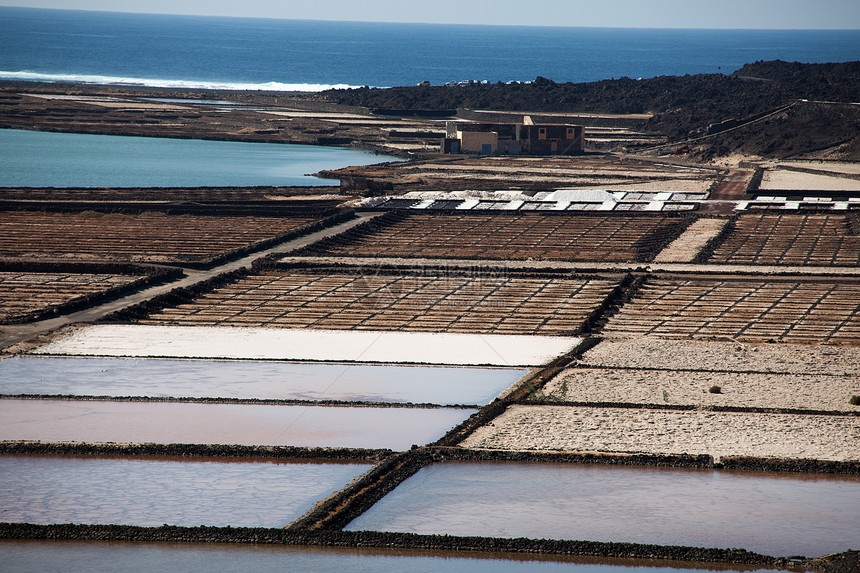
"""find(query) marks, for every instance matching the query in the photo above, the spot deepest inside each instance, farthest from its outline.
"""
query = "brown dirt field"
(288, 196)
(23, 293)
(733, 187)
(792, 239)
(568, 237)
(802, 312)
(148, 237)
(702, 356)
(380, 301)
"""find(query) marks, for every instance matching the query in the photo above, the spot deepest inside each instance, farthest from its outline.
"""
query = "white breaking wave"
(165, 83)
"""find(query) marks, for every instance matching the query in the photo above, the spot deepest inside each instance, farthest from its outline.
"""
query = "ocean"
(251, 53)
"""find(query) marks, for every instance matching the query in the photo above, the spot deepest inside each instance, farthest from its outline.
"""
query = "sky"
(760, 14)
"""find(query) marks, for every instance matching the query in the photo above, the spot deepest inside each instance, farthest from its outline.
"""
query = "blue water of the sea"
(46, 159)
(246, 53)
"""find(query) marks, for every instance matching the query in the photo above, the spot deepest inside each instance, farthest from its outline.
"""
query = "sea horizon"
(461, 25)
(247, 53)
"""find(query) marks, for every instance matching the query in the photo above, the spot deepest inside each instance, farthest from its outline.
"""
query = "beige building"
(514, 138)
(484, 142)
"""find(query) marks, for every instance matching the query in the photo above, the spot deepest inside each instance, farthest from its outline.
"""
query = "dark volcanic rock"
(848, 562)
(758, 86)
(683, 106)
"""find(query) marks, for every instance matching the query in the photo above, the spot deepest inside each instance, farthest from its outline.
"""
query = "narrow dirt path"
(733, 187)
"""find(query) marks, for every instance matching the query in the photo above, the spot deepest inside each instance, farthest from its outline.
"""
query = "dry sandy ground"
(674, 185)
(411, 146)
(831, 166)
(775, 180)
(724, 357)
(734, 160)
(566, 428)
(791, 391)
(312, 345)
(556, 180)
(685, 248)
(116, 103)
(575, 171)
(666, 372)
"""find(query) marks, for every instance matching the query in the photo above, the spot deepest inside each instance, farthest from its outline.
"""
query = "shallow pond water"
(245, 424)
(73, 557)
(774, 514)
(250, 379)
(46, 159)
(147, 492)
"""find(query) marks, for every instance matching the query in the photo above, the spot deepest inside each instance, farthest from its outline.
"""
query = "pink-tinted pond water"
(246, 424)
(774, 514)
(75, 557)
(147, 492)
(253, 379)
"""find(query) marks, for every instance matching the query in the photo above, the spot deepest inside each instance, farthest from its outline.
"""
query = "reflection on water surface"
(250, 379)
(150, 492)
(245, 424)
(74, 557)
(779, 515)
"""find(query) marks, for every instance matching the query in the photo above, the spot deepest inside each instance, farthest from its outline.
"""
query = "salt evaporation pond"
(121, 557)
(153, 492)
(310, 344)
(243, 424)
(253, 379)
(773, 514)
(46, 159)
